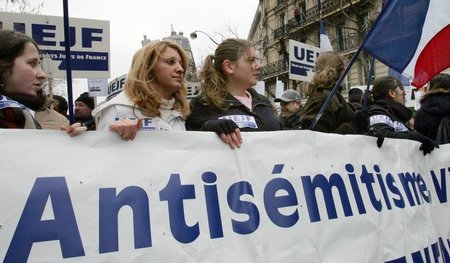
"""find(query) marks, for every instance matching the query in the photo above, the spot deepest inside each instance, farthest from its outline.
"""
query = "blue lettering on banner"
(31, 228)
(280, 203)
(92, 61)
(175, 193)
(306, 55)
(300, 68)
(45, 35)
(110, 204)
(439, 252)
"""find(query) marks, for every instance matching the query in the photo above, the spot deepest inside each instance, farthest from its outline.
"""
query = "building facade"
(346, 23)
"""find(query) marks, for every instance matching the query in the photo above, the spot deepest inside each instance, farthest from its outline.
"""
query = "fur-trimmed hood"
(436, 101)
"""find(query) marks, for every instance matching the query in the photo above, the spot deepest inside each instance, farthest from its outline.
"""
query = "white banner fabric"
(289, 196)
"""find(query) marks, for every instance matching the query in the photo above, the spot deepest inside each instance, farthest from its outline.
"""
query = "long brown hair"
(12, 45)
(328, 66)
(212, 75)
(140, 86)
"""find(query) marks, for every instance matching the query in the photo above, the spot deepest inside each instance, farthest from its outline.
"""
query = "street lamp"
(193, 35)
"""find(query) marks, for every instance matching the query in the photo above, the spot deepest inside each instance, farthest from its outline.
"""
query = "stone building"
(346, 23)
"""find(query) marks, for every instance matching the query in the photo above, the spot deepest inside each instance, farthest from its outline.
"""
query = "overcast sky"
(131, 19)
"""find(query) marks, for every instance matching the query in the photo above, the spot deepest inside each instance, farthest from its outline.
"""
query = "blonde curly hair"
(329, 67)
(140, 85)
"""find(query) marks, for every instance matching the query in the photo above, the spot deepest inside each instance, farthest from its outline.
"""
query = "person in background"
(389, 115)
(291, 108)
(339, 117)
(434, 107)
(21, 81)
(48, 118)
(84, 105)
(155, 94)
(228, 103)
(60, 105)
(355, 97)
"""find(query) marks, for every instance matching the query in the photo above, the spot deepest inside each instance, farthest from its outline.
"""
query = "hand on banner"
(380, 138)
(126, 128)
(227, 130)
(427, 145)
(74, 129)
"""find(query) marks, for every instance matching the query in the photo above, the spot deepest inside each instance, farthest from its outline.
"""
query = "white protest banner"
(89, 42)
(301, 60)
(288, 196)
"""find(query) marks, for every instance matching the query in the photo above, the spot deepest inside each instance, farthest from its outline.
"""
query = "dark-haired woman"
(21, 81)
(389, 115)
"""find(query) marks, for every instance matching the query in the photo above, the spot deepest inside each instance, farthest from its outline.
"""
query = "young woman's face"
(169, 72)
(398, 95)
(248, 67)
(26, 75)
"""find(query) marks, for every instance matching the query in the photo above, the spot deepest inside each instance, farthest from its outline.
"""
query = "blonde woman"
(154, 97)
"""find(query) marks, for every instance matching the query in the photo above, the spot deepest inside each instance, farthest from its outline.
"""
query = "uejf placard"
(301, 60)
(89, 43)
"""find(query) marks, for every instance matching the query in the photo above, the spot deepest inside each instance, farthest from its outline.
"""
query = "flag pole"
(369, 80)
(68, 60)
(335, 88)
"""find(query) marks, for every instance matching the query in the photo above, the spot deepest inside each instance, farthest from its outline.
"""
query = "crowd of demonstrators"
(291, 109)
(155, 97)
(21, 81)
(228, 103)
(155, 94)
(389, 115)
(340, 116)
(434, 110)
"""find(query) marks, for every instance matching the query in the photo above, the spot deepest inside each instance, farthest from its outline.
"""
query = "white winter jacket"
(121, 107)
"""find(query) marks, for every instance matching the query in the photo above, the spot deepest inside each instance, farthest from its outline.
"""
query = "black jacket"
(261, 112)
(292, 122)
(388, 118)
(435, 105)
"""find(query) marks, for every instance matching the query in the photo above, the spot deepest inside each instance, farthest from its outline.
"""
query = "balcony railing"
(347, 43)
(274, 69)
(311, 15)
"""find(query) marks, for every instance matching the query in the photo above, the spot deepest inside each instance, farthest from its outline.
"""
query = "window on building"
(341, 36)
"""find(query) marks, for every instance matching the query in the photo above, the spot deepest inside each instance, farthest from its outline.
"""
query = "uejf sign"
(301, 60)
(89, 43)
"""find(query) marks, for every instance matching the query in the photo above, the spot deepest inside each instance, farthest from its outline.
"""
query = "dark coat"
(292, 122)
(14, 115)
(261, 111)
(335, 119)
(435, 105)
(388, 118)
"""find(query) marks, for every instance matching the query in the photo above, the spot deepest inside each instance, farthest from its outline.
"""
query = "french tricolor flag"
(412, 37)
(325, 44)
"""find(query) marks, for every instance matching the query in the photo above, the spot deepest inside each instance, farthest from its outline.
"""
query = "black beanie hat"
(89, 101)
